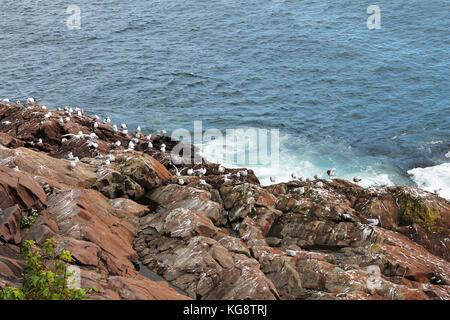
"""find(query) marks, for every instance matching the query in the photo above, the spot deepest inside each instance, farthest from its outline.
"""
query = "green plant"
(45, 276)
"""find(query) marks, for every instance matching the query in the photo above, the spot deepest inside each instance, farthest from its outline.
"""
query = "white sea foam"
(305, 163)
(433, 178)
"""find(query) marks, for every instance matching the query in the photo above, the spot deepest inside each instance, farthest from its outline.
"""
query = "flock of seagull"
(69, 111)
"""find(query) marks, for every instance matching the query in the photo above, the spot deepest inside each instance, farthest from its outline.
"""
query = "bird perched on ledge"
(331, 172)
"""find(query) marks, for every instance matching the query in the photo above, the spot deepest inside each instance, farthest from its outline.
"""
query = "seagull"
(291, 253)
(6, 101)
(18, 102)
(125, 131)
(138, 129)
(301, 179)
(319, 184)
(131, 145)
(79, 113)
(16, 168)
(149, 137)
(79, 135)
(108, 120)
(44, 107)
(30, 101)
(150, 145)
(318, 175)
(357, 179)
(39, 141)
(70, 156)
(97, 117)
(331, 172)
(67, 119)
(201, 181)
(226, 179)
(117, 143)
(221, 169)
(177, 172)
(180, 181)
(107, 162)
(95, 125)
(63, 140)
(72, 164)
(115, 128)
(243, 173)
(300, 190)
(273, 179)
(373, 222)
(123, 126)
(294, 176)
(190, 172)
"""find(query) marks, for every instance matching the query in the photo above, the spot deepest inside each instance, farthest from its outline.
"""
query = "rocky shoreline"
(117, 205)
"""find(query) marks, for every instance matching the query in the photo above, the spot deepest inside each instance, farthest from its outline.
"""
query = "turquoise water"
(373, 103)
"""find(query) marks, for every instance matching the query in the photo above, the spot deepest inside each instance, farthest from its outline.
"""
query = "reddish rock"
(19, 188)
(10, 225)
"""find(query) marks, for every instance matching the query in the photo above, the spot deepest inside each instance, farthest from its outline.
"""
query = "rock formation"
(117, 208)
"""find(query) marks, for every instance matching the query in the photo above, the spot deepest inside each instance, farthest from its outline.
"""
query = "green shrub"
(45, 276)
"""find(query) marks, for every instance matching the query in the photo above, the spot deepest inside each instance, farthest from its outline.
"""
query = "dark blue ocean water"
(373, 103)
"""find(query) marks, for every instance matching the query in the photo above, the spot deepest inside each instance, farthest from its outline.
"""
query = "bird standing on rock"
(318, 175)
(331, 172)
(273, 179)
(356, 179)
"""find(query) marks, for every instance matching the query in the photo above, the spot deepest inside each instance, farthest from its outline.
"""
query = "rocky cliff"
(119, 206)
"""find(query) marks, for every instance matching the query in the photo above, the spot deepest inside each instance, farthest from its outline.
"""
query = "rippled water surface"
(373, 103)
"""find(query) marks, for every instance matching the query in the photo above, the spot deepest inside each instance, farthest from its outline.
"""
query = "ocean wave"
(433, 179)
(306, 162)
